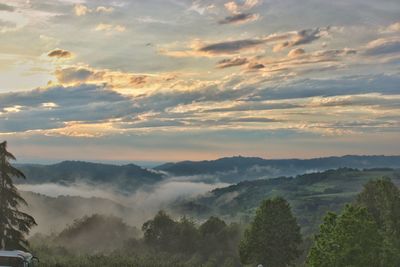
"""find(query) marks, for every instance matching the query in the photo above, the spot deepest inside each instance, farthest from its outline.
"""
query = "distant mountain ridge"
(232, 169)
(128, 177)
(131, 177)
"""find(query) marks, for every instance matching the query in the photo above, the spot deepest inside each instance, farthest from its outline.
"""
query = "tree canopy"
(273, 238)
(381, 198)
(349, 239)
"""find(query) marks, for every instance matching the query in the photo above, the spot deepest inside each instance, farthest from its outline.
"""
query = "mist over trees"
(362, 234)
(365, 231)
(14, 224)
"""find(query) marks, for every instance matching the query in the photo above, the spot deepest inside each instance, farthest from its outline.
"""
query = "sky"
(171, 80)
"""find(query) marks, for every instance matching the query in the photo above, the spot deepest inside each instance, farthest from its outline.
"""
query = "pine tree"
(14, 224)
(273, 238)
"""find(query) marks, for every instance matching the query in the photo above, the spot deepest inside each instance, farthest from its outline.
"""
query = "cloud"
(280, 41)
(383, 46)
(61, 96)
(202, 8)
(251, 3)
(371, 99)
(231, 62)
(81, 10)
(62, 107)
(255, 106)
(296, 52)
(233, 7)
(93, 111)
(60, 53)
(139, 80)
(256, 66)
(299, 61)
(392, 28)
(201, 49)
(239, 18)
(109, 28)
(303, 37)
(7, 26)
(383, 84)
(103, 9)
(5, 7)
(231, 46)
(73, 75)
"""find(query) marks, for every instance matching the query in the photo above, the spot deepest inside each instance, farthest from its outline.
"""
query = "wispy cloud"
(392, 28)
(109, 28)
(279, 40)
(239, 18)
(303, 37)
(383, 46)
(231, 62)
(234, 7)
(82, 10)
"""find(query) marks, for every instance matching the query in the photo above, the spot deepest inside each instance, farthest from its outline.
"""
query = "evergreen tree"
(14, 224)
(381, 198)
(350, 239)
(273, 238)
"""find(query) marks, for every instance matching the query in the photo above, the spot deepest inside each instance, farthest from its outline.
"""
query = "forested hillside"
(311, 195)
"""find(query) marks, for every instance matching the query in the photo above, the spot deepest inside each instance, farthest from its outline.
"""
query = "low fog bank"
(54, 206)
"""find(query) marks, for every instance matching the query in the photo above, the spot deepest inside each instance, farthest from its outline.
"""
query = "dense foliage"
(106, 241)
(350, 239)
(273, 238)
(365, 234)
(381, 198)
(96, 233)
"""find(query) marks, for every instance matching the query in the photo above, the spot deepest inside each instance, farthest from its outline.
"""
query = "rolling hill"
(311, 195)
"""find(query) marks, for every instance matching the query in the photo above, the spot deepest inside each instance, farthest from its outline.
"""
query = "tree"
(212, 226)
(187, 236)
(349, 239)
(381, 198)
(273, 238)
(160, 232)
(14, 224)
(213, 236)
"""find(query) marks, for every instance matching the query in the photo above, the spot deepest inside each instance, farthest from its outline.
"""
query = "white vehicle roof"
(15, 254)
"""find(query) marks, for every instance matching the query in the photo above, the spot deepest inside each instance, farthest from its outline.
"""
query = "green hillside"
(311, 195)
